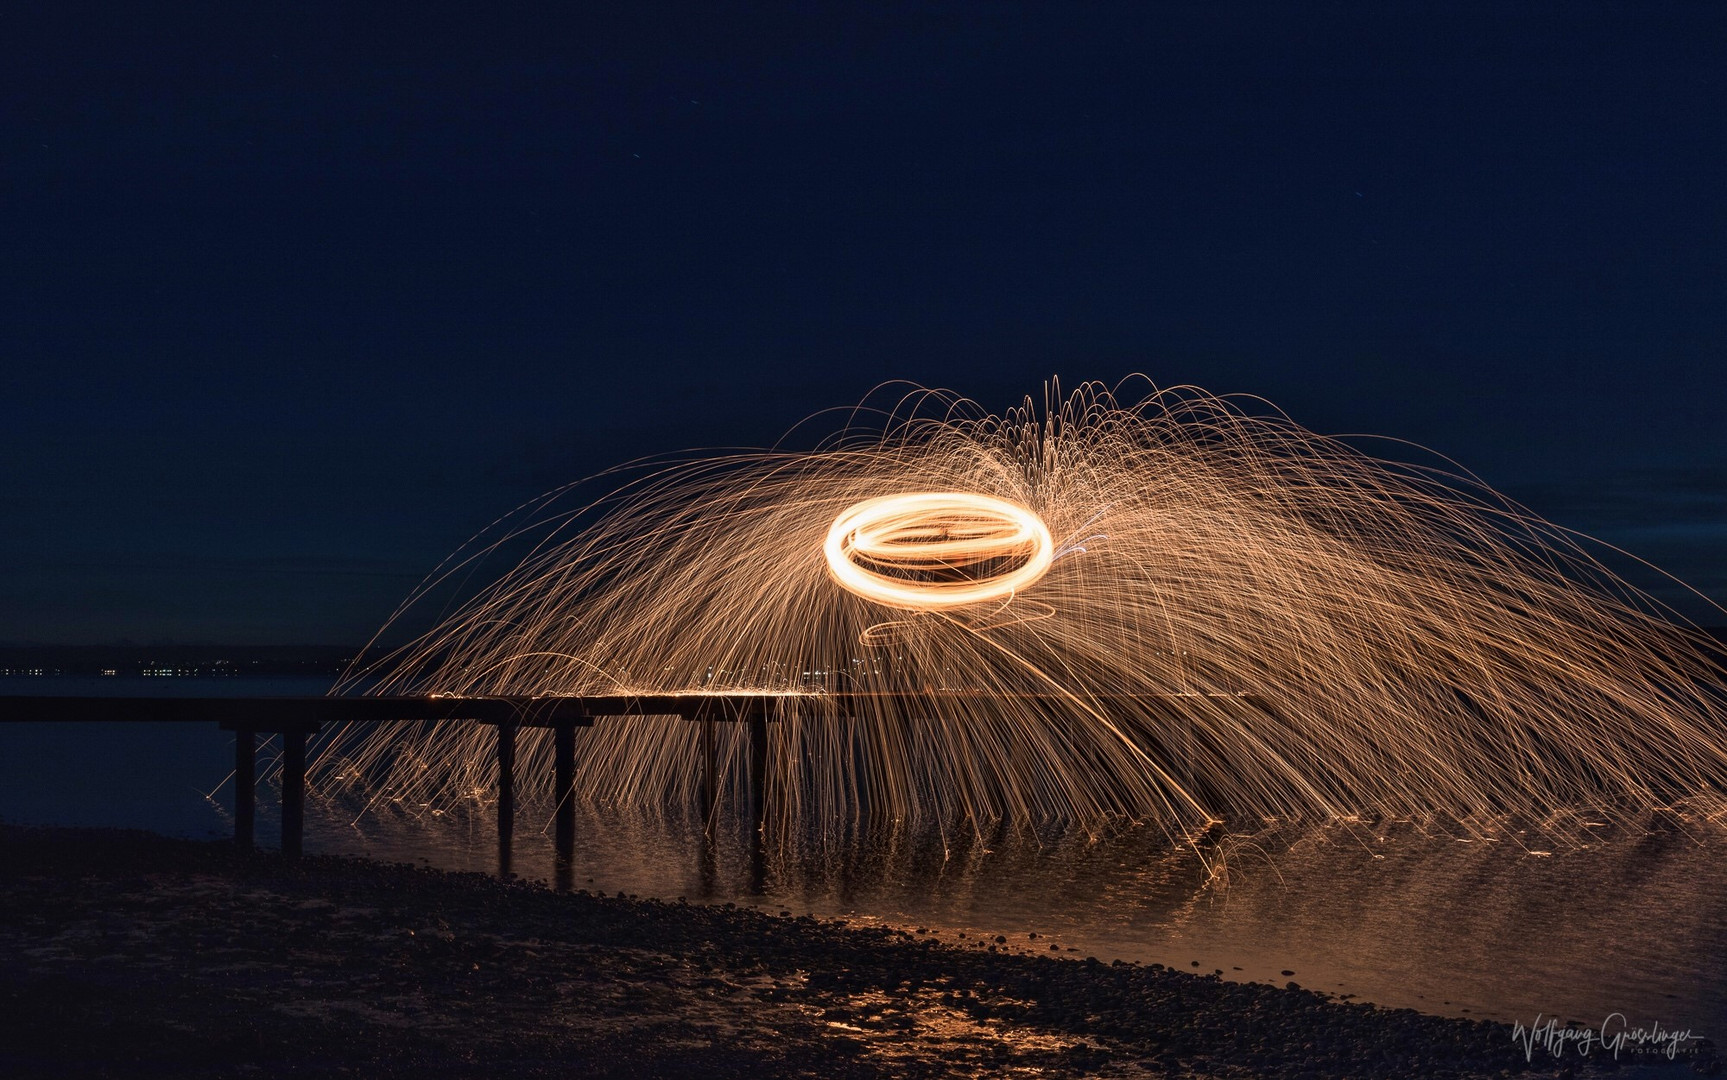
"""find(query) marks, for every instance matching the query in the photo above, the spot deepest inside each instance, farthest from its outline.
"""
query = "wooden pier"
(295, 719)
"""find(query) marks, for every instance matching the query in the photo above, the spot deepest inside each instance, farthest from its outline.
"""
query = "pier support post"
(293, 791)
(245, 787)
(710, 775)
(506, 794)
(563, 786)
(758, 722)
(758, 771)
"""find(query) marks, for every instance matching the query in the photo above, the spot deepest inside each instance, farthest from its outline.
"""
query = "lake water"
(1635, 923)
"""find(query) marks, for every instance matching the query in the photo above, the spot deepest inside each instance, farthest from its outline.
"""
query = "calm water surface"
(1635, 924)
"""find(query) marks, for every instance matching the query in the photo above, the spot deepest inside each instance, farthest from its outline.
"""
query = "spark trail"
(1171, 609)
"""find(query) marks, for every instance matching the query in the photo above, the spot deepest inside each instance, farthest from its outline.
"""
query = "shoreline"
(130, 954)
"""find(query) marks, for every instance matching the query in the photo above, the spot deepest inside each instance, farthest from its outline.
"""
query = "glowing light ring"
(934, 550)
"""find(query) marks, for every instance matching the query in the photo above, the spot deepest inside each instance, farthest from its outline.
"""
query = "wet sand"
(126, 954)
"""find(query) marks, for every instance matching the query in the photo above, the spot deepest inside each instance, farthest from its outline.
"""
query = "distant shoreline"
(125, 660)
(181, 661)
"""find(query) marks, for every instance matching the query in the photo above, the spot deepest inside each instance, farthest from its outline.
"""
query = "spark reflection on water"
(1396, 915)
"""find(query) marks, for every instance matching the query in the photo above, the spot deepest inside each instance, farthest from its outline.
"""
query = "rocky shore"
(129, 955)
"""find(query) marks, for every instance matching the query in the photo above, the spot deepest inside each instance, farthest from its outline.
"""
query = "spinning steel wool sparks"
(926, 551)
(1172, 610)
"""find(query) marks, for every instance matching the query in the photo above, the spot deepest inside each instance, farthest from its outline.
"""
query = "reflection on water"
(1635, 924)
(1396, 915)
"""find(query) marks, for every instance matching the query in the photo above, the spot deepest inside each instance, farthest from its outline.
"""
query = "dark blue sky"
(294, 300)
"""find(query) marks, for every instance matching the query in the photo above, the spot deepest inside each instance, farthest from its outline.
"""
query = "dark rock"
(201, 949)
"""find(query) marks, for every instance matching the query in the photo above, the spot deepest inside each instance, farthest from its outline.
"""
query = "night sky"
(294, 299)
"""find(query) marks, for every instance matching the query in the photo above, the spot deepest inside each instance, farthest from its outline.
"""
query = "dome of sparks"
(1173, 608)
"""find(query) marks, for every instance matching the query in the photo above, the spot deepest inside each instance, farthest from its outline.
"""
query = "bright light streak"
(937, 550)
